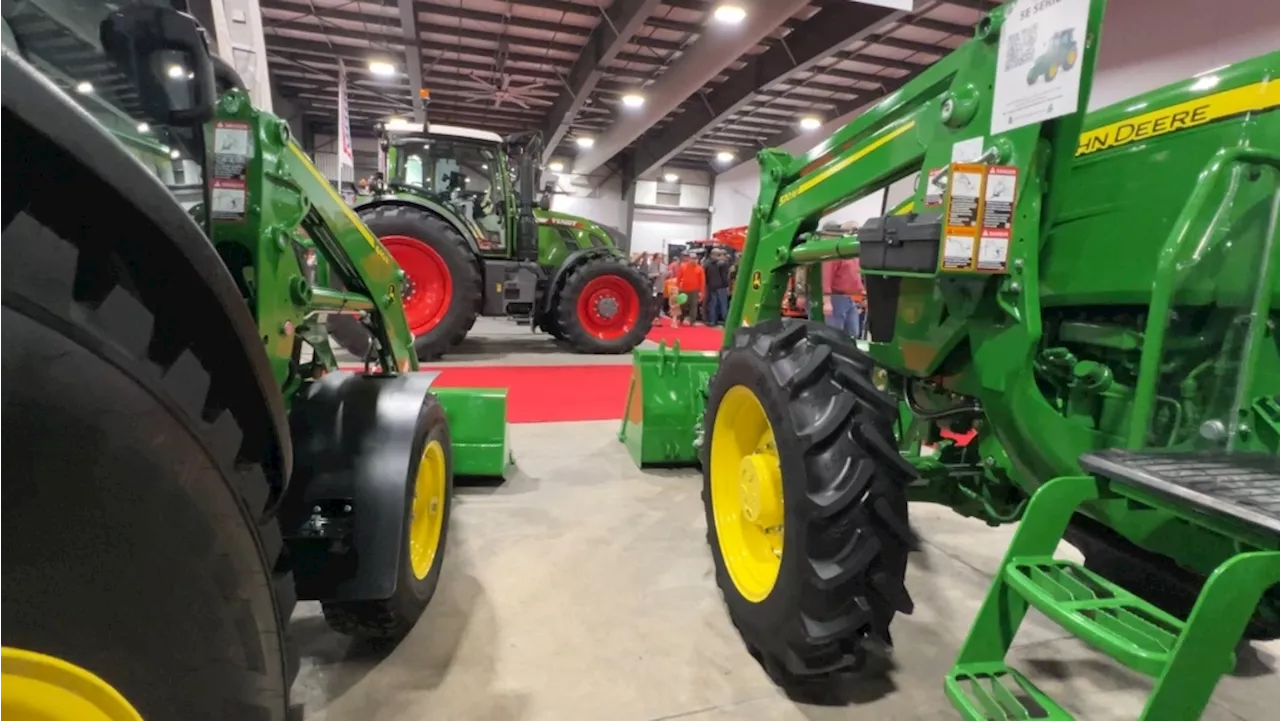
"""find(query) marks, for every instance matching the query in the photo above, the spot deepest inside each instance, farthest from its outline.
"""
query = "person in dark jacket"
(717, 288)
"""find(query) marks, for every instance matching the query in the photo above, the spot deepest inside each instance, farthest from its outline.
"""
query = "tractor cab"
(463, 169)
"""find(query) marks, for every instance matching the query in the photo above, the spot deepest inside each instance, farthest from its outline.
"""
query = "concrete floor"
(581, 589)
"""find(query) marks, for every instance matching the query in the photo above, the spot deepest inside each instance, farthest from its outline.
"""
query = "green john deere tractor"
(1061, 55)
(183, 460)
(457, 209)
(1093, 303)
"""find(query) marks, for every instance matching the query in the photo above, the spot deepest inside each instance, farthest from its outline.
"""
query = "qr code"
(1022, 48)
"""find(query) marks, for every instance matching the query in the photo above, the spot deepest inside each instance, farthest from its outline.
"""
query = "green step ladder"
(1237, 495)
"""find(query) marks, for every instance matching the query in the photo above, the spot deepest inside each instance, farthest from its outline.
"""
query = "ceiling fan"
(500, 90)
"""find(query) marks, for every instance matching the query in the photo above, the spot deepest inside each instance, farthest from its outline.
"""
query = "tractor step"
(1232, 494)
(1097, 611)
(995, 692)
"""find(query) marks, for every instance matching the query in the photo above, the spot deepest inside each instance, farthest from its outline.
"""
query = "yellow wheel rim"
(1071, 58)
(43, 688)
(427, 519)
(746, 493)
(1053, 71)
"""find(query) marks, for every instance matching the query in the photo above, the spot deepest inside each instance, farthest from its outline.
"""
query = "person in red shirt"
(843, 288)
(693, 280)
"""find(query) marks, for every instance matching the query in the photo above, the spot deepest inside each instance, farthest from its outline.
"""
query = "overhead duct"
(718, 47)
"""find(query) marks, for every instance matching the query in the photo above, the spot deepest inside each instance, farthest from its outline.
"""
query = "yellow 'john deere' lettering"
(1255, 97)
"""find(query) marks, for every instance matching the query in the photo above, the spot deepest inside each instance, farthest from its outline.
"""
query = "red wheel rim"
(428, 288)
(608, 307)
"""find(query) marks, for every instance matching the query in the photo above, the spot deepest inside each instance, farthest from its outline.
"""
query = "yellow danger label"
(1193, 113)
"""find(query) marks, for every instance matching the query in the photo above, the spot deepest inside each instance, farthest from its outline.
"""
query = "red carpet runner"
(698, 337)
(545, 394)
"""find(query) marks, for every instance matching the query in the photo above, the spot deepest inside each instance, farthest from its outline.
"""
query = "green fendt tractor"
(183, 461)
(457, 209)
(1095, 298)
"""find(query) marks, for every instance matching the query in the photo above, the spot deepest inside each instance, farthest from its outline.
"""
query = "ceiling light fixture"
(725, 156)
(633, 100)
(584, 141)
(382, 68)
(177, 72)
(729, 13)
(174, 154)
(671, 177)
(809, 122)
(84, 87)
(556, 166)
(144, 128)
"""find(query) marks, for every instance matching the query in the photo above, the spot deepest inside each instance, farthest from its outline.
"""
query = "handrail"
(1168, 274)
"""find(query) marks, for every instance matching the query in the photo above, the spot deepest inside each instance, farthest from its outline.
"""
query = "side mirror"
(165, 55)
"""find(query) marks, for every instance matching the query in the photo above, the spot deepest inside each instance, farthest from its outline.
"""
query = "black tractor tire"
(391, 619)
(846, 535)
(1156, 578)
(137, 540)
(576, 334)
(464, 304)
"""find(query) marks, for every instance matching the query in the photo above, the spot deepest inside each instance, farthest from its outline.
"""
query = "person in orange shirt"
(692, 282)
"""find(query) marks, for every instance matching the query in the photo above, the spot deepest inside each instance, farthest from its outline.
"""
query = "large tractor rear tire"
(442, 295)
(137, 541)
(606, 306)
(805, 499)
(422, 552)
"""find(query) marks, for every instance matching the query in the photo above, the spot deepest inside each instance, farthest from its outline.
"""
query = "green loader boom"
(1088, 295)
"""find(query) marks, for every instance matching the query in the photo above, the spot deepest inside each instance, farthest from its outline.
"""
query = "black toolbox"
(904, 243)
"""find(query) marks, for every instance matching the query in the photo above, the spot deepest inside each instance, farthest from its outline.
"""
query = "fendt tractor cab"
(461, 212)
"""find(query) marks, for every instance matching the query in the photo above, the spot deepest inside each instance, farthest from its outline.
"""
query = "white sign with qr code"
(1038, 63)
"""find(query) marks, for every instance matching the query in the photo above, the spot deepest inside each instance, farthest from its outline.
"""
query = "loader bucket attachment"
(662, 423)
(477, 428)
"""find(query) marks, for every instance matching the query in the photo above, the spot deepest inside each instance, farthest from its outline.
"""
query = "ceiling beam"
(413, 59)
(617, 25)
(828, 32)
(516, 21)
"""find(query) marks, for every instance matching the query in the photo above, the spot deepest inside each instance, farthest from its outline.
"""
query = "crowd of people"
(692, 291)
(697, 292)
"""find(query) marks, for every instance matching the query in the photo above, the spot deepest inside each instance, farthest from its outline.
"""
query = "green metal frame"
(290, 203)
(291, 209)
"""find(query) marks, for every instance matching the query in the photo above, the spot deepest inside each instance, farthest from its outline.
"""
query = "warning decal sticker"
(997, 218)
(964, 205)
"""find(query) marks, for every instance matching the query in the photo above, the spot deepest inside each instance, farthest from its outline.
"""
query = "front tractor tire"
(429, 489)
(138, 540)
(606, 306)
(442, 294)
(805, 500)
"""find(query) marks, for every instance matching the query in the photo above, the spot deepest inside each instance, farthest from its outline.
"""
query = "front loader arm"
(269, 206)
(913, 130)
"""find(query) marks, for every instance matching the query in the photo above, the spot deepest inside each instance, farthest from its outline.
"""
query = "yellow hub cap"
(43, 688)
(427, 518)
(746, 493)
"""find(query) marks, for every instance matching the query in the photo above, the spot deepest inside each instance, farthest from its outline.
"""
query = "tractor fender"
(344, 519)
(431, 206)
(575, 259)
(178, 245)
